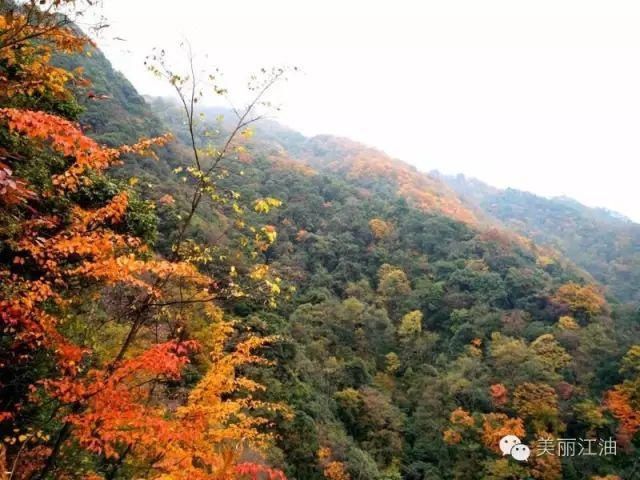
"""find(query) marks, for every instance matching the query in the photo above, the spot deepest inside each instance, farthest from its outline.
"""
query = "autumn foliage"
(623, 401)
(586, 300)
(68, 140)
(497, 425)
(499, 394)
(332, 469)
(26, 64)
(146, 332)
(370, 165)
(89, 309)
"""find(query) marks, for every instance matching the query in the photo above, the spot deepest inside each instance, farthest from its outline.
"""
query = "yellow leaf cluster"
(264, 205)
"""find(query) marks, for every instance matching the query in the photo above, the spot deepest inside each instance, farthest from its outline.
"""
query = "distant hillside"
(376, 170)
(604, 243)
(115, 113)
(362, 165)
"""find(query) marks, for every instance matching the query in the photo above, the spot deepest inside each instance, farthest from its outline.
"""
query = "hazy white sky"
(538, 95)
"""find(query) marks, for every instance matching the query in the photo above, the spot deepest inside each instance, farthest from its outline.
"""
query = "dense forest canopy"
(200, 293)
(604, 243)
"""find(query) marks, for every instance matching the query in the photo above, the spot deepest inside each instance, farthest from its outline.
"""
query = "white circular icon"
(520, 452)
(507, 443)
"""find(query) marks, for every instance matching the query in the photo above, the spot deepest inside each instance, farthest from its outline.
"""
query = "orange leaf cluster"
(113, 411)
(380, 229)
(461, 421)
(31, 327)
(66, 138)
(497, 425)
(254, 471)
(619, 402)
(499, 394)
(332, 469)
(586, 299)
(451, 437)
(461, 417)
(212, 418)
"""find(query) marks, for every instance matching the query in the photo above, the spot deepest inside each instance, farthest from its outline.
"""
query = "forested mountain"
(361, 165)
(604, 243)
(409, 312)
(276, 307)
(378, 172)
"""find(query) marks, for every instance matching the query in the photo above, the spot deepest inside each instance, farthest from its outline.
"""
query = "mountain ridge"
(576, 230)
